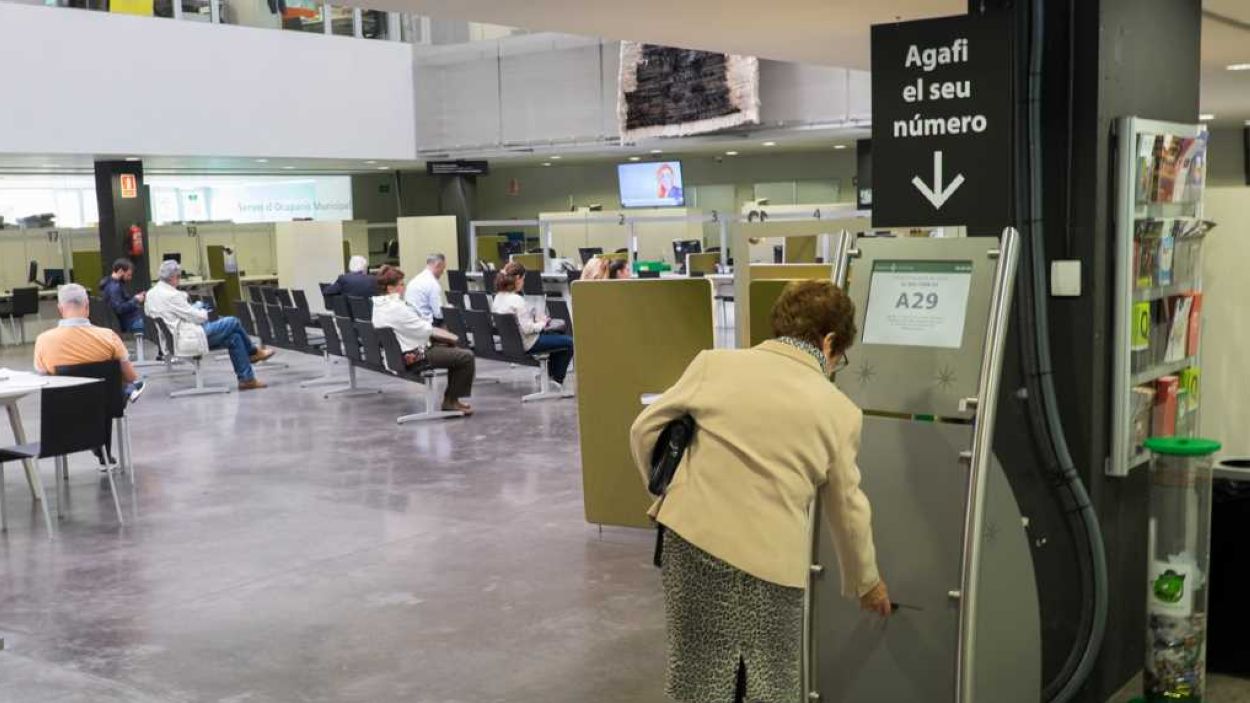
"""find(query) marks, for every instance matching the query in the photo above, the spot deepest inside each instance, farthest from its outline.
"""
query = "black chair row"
(498, 338)
(159, 330)
(377, 349)
(557, 309)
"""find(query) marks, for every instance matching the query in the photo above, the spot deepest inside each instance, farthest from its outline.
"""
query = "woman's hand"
(877, 600)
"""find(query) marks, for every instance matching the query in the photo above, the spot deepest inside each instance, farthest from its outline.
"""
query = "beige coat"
(772, 430)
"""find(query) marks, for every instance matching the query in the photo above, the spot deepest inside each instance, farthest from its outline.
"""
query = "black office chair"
(24, 301)
(533, 284)
(72, 419)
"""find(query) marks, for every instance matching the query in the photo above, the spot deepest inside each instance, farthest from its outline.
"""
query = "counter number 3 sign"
(942, 130)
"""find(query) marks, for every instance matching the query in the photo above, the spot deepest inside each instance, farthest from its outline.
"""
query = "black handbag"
(665, 458)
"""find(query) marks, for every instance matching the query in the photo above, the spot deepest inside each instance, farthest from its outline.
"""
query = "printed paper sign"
(918, 303)
(129, 185)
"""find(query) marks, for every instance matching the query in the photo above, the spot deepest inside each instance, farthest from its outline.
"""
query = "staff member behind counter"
(771, 430)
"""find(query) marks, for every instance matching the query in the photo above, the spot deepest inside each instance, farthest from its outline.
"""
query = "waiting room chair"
(482, 328)
(559, 310)
(479, 301)
(533, 284)
(168, 347)
(361, 308)
(284, 298)
(453, 318)
(488, 282)
(73, 419)
(434, 380)
(254, 294)
(23, 302)
(110, 372)
(512, 346)
(457, 282)
(350, 345)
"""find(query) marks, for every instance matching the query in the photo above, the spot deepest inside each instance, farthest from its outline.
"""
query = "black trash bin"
(1228, 609)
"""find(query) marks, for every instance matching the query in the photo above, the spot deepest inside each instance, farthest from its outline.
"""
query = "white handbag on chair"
(190, 340)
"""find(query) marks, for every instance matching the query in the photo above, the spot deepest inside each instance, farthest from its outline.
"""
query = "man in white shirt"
(424, 293)
(172, 305)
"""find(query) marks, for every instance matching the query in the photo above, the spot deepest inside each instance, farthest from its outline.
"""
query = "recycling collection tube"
(1179, 535)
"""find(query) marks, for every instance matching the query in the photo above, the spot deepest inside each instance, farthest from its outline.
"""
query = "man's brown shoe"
(462, 407)
(262, 354)
(252, 385)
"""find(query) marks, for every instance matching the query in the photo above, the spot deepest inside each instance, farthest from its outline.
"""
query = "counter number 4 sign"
(942, 131)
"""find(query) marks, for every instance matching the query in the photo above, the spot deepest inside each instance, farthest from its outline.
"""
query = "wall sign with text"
(942, 123)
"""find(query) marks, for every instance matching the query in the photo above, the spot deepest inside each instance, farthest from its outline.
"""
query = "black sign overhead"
(457, 168)
(942, 130)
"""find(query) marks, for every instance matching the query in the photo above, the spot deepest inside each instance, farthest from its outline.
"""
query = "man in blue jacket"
(128, 308)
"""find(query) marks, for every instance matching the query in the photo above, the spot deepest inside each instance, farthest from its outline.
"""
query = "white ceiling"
(1225, 41)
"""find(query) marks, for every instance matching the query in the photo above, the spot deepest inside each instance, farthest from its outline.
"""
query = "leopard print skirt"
(719, 616)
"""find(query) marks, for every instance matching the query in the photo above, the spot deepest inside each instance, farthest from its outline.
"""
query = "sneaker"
(136, 390)
(252, 384)
(458, 406)
(262, 354)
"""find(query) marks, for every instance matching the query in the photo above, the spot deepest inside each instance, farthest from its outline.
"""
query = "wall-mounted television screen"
(651, 184)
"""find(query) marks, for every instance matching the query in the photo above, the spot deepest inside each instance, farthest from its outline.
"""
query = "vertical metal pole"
(325, 20)
(842, 257)
(981, 464)
(549, 238)
(472, 246)
(358, 23)
(394, 30)
(1121, 354)
(633, 242)
(724, 242)
(177, 9)
(214, 11)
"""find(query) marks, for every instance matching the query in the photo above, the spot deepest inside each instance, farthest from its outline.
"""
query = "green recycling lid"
(1182, 446)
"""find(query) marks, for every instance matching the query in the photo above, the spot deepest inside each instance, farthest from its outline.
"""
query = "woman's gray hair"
(169, 270)
(72, 294)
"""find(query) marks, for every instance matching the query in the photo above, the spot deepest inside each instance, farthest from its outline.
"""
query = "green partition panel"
(230, 292)
(622, 256)
(764, 295)
(531, 262)
(88, 270)
(790, 272)
(801, 250)
(632, 337)
(488, 248)
(703, 263)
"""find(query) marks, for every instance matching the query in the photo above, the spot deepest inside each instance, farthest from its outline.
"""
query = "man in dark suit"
(356, 282)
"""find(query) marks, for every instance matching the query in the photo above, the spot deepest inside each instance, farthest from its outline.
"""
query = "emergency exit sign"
(942, 122)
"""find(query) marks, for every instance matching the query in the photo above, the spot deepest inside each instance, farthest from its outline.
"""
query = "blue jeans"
(560, 347)
(134, 326)
(227, 333)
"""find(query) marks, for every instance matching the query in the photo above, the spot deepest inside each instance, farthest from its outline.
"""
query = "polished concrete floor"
(284, 547)
(280, 547)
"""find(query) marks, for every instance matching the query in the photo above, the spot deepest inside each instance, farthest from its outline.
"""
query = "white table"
(15, 385)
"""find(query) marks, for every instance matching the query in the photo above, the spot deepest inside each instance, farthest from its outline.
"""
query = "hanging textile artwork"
(667, 92)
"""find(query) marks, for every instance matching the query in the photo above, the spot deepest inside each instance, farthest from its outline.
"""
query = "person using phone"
(771, 431)
(416, 336)
(539, 334)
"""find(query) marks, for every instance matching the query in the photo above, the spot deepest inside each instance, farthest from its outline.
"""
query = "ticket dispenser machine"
(951, 543)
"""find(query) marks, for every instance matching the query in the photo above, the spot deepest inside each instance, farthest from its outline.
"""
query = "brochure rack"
(1156, 371)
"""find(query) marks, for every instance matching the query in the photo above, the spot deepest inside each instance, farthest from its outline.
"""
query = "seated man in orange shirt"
(76, 341)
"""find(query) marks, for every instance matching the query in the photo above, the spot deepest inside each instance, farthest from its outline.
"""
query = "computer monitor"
(509, 247)
(681, 247)
(53, 278)
(588, 253)
(172, 256)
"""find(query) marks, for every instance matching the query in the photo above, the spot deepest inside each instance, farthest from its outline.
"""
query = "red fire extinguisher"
(134, 241)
